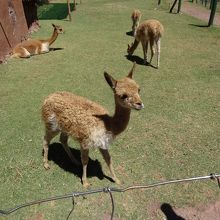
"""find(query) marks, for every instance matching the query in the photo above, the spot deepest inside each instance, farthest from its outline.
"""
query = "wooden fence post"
(212, 14)
(179, 6)
(210, 6)
(174, 3)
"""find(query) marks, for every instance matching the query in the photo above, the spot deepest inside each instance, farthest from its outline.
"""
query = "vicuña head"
(130, 51)
(58, 29)
(88, 122)
(126, 91)
(31, 47)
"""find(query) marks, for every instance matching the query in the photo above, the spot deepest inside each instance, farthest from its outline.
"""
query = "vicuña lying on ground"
(31, 47)
(135, 17)
(149, 31)
(89, 123)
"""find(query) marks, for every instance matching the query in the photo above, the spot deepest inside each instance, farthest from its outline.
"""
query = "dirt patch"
(199, 12)
(211, 211)
(200, 212)
(38, 216)
(108, 216)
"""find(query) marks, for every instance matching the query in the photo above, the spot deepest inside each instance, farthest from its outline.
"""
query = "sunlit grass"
(175, 136)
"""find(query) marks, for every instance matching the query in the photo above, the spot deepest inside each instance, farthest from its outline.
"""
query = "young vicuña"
(135, 17)
(88, 122)
(31, 47)
(149, 31)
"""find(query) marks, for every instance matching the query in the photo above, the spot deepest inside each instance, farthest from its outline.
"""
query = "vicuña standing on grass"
(149, 31)
(89, 123)
(31, 47)
(135, 17)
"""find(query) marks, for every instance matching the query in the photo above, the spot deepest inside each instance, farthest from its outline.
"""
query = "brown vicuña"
(135, 17)
(31, 47)
(88, 122)
(149, 31)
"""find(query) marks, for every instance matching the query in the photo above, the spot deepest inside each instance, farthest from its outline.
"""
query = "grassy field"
(175, 136)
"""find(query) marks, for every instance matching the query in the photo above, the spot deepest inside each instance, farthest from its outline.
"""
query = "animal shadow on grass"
(56, 48)
(130, 33)
(138, 60)
(199, 25)
(59, 156)
(169, 212)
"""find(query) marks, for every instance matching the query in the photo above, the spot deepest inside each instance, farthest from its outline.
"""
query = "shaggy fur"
(149, 31)
(135, 17)
(31, 47)
(89, 123)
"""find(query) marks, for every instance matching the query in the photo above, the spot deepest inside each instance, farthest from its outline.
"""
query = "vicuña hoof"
(46, 166)
(86, 184)
(117, 181)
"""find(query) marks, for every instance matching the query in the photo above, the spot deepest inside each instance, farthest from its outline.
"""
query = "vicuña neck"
(53, 37)
(134, 46)
(120, 119)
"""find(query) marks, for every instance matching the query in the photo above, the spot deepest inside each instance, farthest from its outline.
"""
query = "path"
(199, 12)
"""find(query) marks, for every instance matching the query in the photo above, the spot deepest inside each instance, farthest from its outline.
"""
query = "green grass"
(175, 136)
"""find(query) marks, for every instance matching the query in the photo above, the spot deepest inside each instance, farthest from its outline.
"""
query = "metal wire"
(211, 176)
(109, 190)
(73, 202)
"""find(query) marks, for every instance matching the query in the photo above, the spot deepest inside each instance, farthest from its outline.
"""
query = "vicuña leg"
(145, 48)
(46, 141)
(64, 142)
(152, 49)
(108, 161)
(85, 160)
(158, 52)
(22, 53)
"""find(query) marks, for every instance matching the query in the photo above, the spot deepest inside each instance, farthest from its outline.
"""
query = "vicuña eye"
(124, 96)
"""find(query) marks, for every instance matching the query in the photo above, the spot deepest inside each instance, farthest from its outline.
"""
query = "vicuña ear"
(54, 25)
(110, 80)
(130, 74)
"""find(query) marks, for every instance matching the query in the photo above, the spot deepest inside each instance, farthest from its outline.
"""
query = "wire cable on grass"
(215, 177)
(211, 176)
(73, 203)
(109, 190)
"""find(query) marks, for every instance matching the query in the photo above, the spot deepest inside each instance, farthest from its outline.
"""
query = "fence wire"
(108, 190)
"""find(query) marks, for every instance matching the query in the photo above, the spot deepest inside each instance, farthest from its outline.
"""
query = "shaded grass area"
(175, 136)
(54, 11)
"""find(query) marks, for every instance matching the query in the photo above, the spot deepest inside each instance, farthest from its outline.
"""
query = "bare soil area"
(200, 212)
(200, 12)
